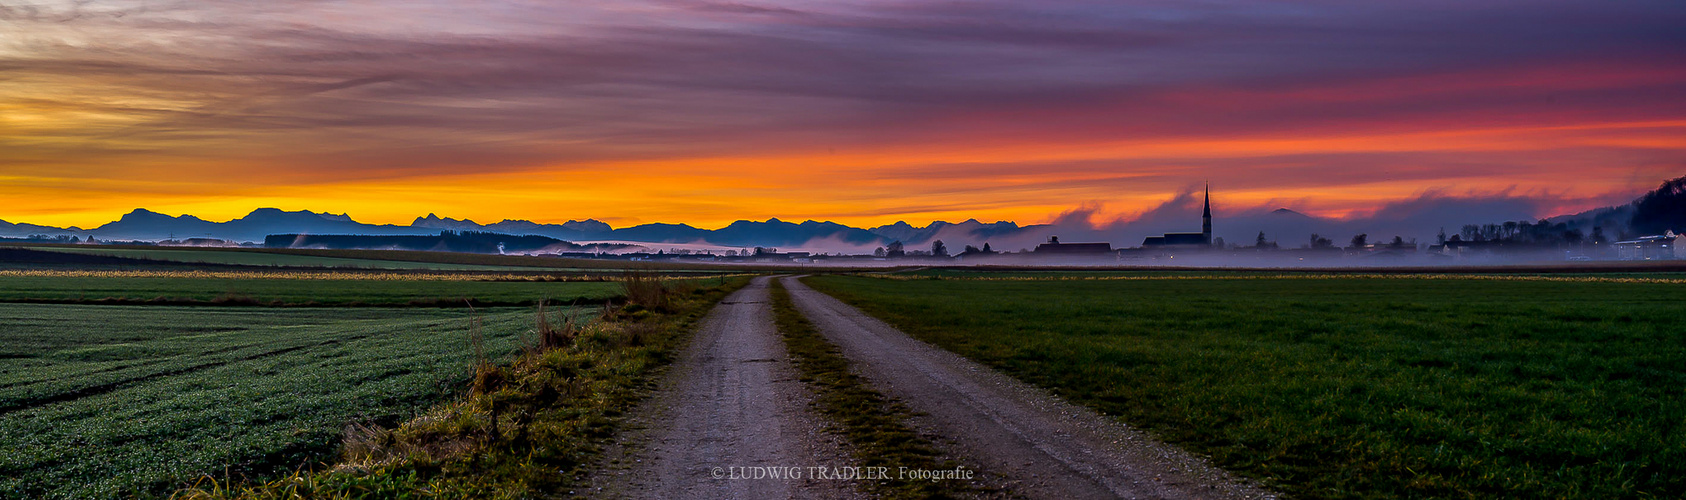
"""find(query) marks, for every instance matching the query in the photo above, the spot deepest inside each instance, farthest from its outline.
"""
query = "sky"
(859, 112)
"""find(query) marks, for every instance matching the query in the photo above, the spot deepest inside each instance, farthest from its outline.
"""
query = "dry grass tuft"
(646, 290)
(551, 334)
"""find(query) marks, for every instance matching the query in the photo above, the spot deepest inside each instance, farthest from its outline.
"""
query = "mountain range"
(146, 225)
(1659, 209)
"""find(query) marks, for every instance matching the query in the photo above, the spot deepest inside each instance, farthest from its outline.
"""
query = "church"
(1187, 240)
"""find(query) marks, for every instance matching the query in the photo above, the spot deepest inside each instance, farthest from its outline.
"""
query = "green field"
(372, 259)
(243, 257)
(1637, 270)
(97, 401)
(447, 292)
(1347, 387)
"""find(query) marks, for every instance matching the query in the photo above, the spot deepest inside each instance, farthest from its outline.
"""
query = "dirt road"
(731, 401)
(1042, 446)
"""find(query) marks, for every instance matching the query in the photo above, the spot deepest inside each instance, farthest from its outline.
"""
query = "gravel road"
(732, 400)
(1042, 446)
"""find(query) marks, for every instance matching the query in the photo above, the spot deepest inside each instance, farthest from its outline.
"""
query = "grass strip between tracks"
(874, 424)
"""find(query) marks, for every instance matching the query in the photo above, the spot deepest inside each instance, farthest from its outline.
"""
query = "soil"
(733, 400)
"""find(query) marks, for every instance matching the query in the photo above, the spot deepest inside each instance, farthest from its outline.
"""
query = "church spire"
(1206, 218)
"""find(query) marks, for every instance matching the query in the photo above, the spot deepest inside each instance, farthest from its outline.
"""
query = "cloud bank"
(707, 112)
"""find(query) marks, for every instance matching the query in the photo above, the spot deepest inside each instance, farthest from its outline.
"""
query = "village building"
(1053, 246)
(1651, 248)
(1202, 239)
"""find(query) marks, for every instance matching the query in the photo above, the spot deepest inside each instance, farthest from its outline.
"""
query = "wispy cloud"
(922, 104)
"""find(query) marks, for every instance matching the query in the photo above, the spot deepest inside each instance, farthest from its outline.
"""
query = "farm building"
(1053, 246)
(1651, 248)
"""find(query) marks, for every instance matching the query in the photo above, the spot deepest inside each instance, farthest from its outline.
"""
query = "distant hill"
(146, 225)
(1661, 210)
(660, 233)
(8, 229)
(902, 231)
(776, 233)
(1613, 219)
(1657, 211)
(143, 224)
(572, 230)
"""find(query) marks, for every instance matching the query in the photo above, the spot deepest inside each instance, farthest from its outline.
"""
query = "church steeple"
(1206, 219)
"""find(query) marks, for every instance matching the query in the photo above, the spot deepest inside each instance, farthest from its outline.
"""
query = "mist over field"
(1417, 220)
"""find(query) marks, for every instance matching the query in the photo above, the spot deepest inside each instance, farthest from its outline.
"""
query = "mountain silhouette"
(660, 233)
(907, 233)
(1657, 209)
(776, 233)
(146, 225)
(143, 224)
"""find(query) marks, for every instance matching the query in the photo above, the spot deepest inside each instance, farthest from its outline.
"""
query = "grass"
(524, 429)
(1338, 387)
(311, 290)
(101, 401)
(249, 258)
(1605, 270)
(367, 259)
(874, 424)
(496, 260)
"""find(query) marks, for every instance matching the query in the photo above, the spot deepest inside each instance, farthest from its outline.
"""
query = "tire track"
(1043, 446)
(732, 400)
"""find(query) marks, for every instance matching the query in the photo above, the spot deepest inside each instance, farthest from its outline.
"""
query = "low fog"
(1416, 222)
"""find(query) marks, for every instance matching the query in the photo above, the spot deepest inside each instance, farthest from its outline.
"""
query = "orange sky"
(852, 112)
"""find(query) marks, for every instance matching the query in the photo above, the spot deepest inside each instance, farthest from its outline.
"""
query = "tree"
(1319, 242)
(938, 249)
(1398, 242)
(1572, 237)
(1260, 242)
(1441, 238)
(1661, 210)
(1360, 241)
(894, 250)
(1218, 242)
(986, 248)
(879, 252)
(1598, 235)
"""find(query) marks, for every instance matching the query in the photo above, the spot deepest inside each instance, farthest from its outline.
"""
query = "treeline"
(1542, 233)
(1655, 213)
(445, 241)
(1661, 210)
